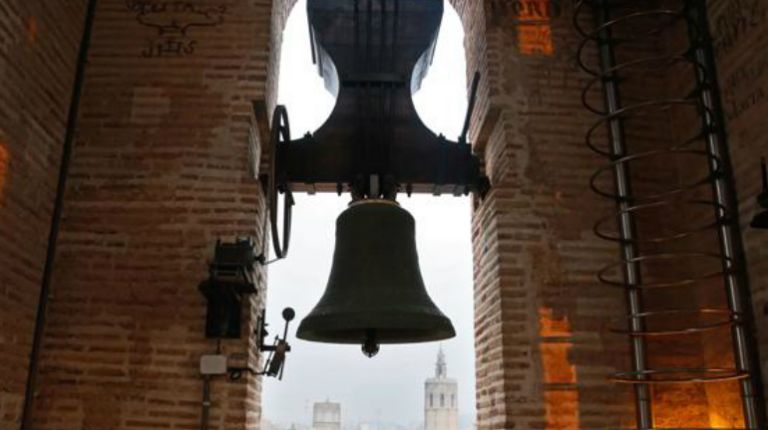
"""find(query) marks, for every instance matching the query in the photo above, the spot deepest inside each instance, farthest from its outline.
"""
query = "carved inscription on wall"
(174, 22)
(532, 20)
(738, 28)
(738, 19)
(526, 10)
(745, 88)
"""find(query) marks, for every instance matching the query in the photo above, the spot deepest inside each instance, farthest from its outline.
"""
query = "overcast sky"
(390, 386)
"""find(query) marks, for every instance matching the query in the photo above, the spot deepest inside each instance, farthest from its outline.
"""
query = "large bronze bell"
(375, 294)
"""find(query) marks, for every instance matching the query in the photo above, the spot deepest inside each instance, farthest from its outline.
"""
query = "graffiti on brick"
(532, 21)
(169, 47)
(529, 11)
(745, 87)
(738, 20)
(735, 29)
(174, 22)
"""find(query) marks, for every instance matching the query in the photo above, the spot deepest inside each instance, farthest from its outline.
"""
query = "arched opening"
(390, 388)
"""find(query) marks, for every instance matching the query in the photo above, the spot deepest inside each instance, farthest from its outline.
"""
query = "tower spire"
(441, 369)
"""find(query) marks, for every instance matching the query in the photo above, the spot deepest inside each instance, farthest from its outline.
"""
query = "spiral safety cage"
(608, 26)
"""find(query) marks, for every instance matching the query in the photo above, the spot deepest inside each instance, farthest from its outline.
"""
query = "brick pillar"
(740, 31)
(39, 42)
(542, 352)
(160, 171)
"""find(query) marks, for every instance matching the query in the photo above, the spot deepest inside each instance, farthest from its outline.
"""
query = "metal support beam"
(53, 235)
(622, 178)
(729, 235)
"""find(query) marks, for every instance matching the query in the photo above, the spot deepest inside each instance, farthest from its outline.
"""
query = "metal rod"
(206, 404)
(728, 232)
(53, 234)
(622, 178)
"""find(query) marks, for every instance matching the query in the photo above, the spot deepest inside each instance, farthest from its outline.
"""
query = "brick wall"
(740, 29)
(38, 47)
(160, 171)
(542, 353)
(739, 41)
(536, 305)
(541, 342)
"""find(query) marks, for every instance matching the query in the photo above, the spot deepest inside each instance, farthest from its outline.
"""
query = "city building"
(441, 408)
(326, 416)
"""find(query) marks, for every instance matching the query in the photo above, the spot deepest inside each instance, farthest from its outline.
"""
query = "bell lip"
(358, 341)
(352, 333)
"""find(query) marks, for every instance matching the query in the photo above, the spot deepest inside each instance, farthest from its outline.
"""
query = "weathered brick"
(159, 172)
(38, 49)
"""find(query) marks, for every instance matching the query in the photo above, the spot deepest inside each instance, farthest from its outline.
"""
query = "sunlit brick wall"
(740, 30)
(160, 171)
(740, 39)
(39, 41)
(542, 352)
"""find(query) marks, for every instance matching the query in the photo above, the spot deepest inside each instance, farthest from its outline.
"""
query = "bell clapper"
(370, 346)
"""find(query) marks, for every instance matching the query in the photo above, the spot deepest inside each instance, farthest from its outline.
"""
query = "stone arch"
(473, 18)
(281, 10)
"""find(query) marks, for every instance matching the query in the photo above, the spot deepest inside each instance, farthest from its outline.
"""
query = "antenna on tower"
(441, 370)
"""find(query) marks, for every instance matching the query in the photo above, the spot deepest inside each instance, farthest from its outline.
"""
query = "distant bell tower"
(441, 410)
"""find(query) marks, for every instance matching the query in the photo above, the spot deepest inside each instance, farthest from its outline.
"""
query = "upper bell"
(375, 293)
